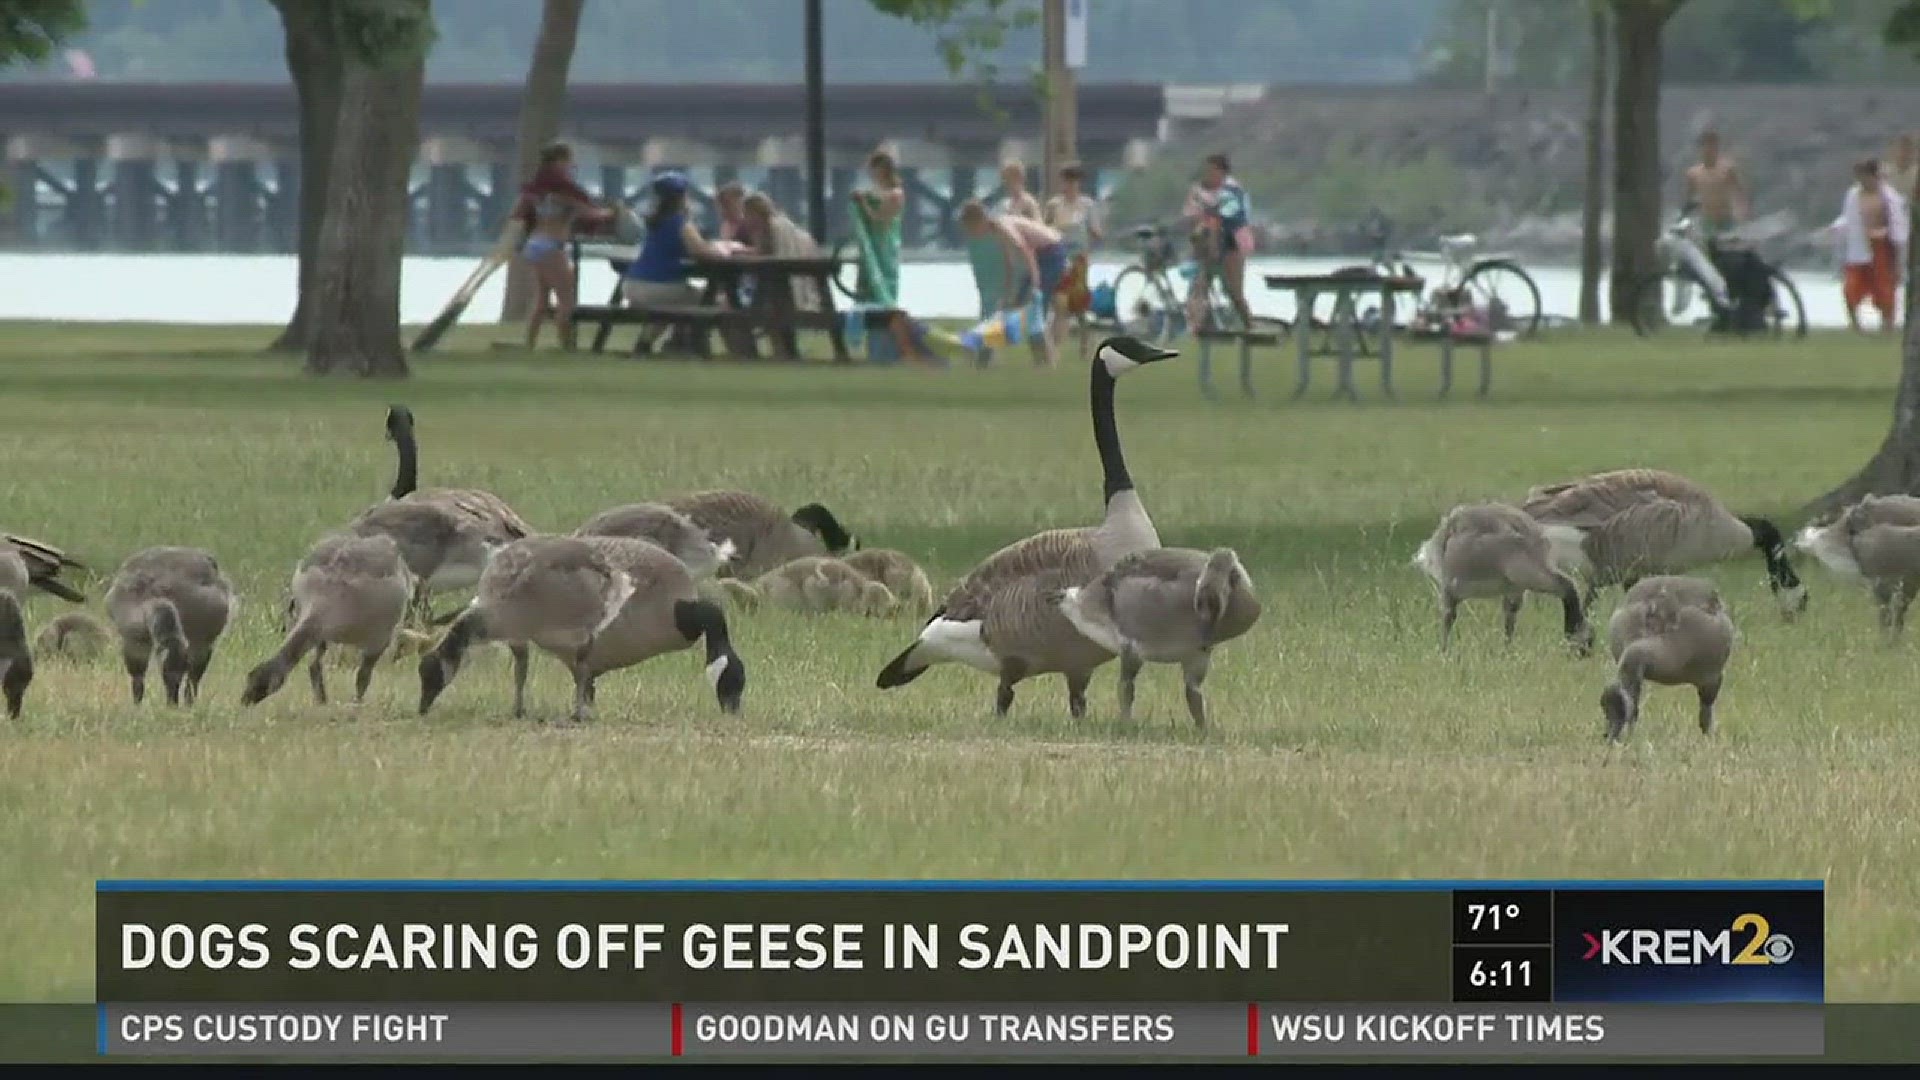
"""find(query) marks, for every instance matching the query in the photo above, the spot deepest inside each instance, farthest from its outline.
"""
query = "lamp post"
(816, 136)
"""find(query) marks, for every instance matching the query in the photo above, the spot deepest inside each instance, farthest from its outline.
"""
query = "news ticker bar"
(1125, 1029)
(939, 942)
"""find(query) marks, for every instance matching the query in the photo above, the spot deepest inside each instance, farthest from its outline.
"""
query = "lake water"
(260, 288)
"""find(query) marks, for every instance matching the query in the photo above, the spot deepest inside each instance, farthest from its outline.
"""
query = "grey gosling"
(75, 635)
(175, 601)
(596, 603)
(668, 528)
(350, 591)
(1489, 549)
(1673, 631)
(1166, 606)
(900, 574)
(1875, 542)
(1003, 617)
(820, 584)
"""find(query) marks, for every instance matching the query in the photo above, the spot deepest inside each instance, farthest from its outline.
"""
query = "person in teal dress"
(880, 208)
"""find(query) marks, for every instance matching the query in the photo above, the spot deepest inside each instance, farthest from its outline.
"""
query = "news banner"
(980, 970)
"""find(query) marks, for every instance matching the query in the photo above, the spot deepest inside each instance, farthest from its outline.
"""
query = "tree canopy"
(31, 29)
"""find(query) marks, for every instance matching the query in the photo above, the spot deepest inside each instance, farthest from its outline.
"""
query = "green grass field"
(1344, 745)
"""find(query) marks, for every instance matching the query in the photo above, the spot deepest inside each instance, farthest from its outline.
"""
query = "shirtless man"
(1036, 257)
(1714, 184)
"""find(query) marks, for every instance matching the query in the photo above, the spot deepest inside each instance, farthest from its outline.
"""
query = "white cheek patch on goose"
(724, 551)
(1116, 362)
(715, 670)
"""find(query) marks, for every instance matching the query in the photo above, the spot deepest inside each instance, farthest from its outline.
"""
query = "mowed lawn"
(1345, 745)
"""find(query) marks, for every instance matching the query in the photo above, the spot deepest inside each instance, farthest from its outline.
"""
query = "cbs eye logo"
(1750, 940)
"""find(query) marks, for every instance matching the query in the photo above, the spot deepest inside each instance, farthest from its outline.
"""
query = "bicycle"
(1489, 287)
(1146, 304)
(1692, 271)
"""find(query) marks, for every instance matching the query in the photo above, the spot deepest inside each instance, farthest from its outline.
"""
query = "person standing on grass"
(1015, 199)
(1036, 262)
(1715, 186)
(552, 206)
(881, 207)
(1872, 230)
(1075, 215)
(1220, 216)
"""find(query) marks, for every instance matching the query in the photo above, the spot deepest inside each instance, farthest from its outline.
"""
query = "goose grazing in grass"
(1003, 617)
(1618, 527)
(350, 591)
(667, 527)
(1166, 606)
(1489, 549)
(175, 601)
(762, 535)
(44, 563)
(1673, 631)
(1876, 542)
(16, 660)
(598, 604)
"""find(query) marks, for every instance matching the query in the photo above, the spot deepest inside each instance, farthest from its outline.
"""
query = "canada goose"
(763, 536)
(75, 635)
(598, 604)
(1166, 606)
(1876, 541)
(1489, 549)
(819, 584)
(1669, 630)
(176, 601)
(1618, 527)
(350, 591)
(900, 574)
(667, 527)
(16, 660)
(1002, 617)
(44, 563)
(489, 510)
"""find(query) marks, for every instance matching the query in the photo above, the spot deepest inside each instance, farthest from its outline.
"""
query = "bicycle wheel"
(1788, 315)
(1668, 299)
(1144, 307)
(846, 257)
(1507, 293)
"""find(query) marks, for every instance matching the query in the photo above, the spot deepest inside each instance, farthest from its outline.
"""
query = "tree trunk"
(1594, 205)
(314, 62)
(541, 103)
(1636, 147)
(354, 302)
(1895, 467)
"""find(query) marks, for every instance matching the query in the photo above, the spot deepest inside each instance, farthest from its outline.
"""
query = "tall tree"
(29, 31)
(314, 61)
(1637, 25)
(541, 105)
(354, 301)
(967, 32)
(1895, 467)
(1593, 205)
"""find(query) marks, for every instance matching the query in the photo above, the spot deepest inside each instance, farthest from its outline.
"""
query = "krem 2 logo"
(1752, 934)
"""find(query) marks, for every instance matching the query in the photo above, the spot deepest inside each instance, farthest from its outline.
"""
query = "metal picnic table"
(1341, 339)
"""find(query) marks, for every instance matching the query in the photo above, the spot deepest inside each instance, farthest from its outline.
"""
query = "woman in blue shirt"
(1217, 210)
(657, 276)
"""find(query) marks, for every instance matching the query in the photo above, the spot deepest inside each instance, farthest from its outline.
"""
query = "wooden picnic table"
(1342, 337)
(769, 305)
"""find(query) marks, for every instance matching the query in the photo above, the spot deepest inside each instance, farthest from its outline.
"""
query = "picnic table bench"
(1342, 337)
(769, 308)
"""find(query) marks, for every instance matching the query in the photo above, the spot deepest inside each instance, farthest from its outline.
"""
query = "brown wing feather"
(728, 511)
(483, 506)
(1067, 550)
(1597, 498)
